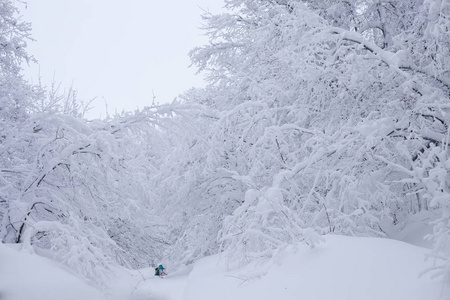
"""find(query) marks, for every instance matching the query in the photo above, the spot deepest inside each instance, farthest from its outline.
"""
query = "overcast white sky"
(118, 51)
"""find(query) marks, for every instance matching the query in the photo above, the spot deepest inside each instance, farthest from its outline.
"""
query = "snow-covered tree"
(320, 117)
(331, 102)
(80, 190)
(16, 95)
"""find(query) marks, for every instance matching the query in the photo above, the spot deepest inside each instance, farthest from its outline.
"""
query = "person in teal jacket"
(159, 271)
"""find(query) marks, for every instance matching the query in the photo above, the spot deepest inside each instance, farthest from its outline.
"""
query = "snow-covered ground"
(341, 268)
(25, 276)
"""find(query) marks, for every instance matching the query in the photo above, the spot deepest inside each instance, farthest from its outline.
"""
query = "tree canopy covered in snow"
(319, 117)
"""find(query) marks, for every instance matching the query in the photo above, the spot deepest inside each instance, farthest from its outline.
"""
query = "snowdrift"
(341, 268)
(25, 276)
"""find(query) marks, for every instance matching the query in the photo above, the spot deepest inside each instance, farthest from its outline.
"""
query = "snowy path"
(161, 289)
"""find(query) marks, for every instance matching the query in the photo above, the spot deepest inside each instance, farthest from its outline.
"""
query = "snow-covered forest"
(319, 118)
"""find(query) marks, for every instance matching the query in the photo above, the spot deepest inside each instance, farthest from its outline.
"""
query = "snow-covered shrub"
(80, 247)
(260, 226)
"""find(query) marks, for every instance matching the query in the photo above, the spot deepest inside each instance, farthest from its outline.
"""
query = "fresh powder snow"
(341, 268)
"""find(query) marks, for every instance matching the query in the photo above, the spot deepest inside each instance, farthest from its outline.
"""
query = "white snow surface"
(25, 276)
(341, 268)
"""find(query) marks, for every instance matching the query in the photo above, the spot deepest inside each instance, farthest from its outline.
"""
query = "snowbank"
(342, 268)
(24, 276)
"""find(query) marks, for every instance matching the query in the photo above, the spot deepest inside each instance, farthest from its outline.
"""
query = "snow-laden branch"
(393, 61)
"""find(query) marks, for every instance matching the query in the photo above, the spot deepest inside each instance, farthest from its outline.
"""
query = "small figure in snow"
(159, 271)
